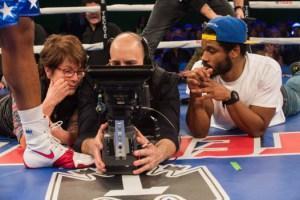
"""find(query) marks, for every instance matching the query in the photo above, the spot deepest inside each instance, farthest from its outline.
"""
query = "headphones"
(144, 42)
(147, 57)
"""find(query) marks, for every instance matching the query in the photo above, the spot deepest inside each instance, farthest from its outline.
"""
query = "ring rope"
(173, 44)
(283, 41)
(274, 4)
(192, 43)
(81, 9)
(149, 7)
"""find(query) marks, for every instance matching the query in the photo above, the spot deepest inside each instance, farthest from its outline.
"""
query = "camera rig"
(122, 92)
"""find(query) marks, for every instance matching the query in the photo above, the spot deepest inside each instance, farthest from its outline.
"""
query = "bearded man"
(230, 88)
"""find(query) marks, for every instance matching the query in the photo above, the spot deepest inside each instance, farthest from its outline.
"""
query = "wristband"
(234, 97)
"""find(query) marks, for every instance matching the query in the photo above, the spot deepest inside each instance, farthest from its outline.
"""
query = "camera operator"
(128, 49)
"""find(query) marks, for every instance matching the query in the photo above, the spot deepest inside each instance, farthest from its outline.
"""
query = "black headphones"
(147, 57)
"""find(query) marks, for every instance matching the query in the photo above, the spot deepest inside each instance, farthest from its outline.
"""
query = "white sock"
(34, 125)
(31, 115)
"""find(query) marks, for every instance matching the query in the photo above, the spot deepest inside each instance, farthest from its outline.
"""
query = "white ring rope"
(283, 41)
(149, 7)
(192, 43)
(173, 44)
(81, 9)
(93, 47)
(274, 4)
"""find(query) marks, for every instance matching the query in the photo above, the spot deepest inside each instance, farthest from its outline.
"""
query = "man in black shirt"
(167, 12)
(127, 49)
(94, 33)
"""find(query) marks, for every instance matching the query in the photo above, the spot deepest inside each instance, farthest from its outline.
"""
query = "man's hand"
(199, 83)
(208, 12)
(94, 146)
(196, 78)
(148, 157)
(214, 90)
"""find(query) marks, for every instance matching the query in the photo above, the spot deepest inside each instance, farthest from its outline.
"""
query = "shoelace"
(57, 124)
(53, 139)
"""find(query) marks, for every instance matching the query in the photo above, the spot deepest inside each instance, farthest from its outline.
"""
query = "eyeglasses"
(68, 73)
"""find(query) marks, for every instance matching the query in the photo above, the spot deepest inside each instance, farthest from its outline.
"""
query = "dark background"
(128, 20)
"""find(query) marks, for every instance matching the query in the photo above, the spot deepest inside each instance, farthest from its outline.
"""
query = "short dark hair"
(227, 46)
(84, 2)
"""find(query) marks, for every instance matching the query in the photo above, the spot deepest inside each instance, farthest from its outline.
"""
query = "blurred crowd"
(177, 59)
(284, 54)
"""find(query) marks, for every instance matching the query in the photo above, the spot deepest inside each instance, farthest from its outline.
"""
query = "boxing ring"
(225, 165)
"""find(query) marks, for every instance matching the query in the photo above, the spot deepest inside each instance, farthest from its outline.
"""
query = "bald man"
(127, 49)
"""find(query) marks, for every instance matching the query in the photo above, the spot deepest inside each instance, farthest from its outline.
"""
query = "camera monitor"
(108, 74)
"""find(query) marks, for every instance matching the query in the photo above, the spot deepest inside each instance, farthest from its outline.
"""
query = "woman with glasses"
(62, 64)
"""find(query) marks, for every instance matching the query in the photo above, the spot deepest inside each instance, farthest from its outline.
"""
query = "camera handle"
(120, 140)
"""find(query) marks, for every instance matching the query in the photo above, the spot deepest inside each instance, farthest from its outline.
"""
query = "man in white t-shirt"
(231, 88)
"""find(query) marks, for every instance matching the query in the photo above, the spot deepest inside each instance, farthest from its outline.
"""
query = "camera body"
(122, 91)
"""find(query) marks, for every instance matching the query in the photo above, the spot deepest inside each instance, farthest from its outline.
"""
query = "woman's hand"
(56, 92)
